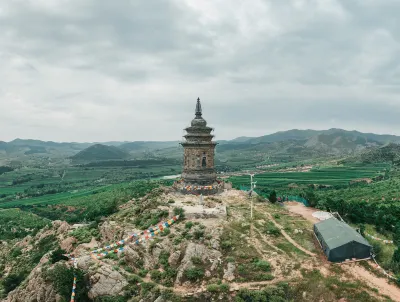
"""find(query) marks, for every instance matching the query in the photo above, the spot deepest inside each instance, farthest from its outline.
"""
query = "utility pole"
(252, 186)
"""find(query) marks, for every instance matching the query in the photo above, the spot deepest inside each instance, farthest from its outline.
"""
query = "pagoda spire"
(198, 108)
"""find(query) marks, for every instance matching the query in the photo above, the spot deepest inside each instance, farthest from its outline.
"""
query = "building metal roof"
(337, 233)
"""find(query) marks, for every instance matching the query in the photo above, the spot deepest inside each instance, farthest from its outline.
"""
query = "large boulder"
(62, 227)
(200, 251)
(229, 273)
(68, 244)
(106, 282)
(174, 258)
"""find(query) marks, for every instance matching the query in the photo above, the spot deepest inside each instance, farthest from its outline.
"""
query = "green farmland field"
(334, 176)
(54, 198)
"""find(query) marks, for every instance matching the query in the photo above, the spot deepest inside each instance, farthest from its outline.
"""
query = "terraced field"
(333, 176)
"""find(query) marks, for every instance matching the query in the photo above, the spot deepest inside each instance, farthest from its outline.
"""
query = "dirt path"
(267, 242)
(235, 286)
(299, 208)
(288, 238)
(373, 281)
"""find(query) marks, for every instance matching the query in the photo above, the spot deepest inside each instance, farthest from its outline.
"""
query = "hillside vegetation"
(100, 152)
(389, 153)
(204, 259)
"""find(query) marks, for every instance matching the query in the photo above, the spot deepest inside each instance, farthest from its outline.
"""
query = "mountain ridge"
(289, 144)
(276, 136)
(99, 152)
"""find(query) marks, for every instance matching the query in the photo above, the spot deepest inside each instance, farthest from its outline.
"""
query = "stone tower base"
(196, 189)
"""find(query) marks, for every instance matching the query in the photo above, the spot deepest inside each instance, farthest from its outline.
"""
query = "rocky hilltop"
(214, 251)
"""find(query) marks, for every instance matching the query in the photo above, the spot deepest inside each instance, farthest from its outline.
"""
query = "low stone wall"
(194, 189)
(201, 191)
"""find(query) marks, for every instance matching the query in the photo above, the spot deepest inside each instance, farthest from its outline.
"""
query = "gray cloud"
(95, 70)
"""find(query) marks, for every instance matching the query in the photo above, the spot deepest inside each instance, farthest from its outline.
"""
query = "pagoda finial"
(198, 108)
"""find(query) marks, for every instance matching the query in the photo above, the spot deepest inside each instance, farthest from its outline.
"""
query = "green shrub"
(156, 276)
(224, 287)
(16, 252)
(226, 245)
(276, 294)
(113, 256)
(163, 258)
(12, 281)
(57, 255)
(263, 277)
(213, 288)
(198, 234)
(263, 265)
(143, 273)
(197, 260)
(180, 212)
(85, 234)
(134, 279)
(178, 240)
(170, 273)
(396, 256)
(188, 225)
(187, 235)
(166, 232)
(377, 249)
(193, 274)
(272, 197)
(147, 287)
(272, 230)
(62, 277)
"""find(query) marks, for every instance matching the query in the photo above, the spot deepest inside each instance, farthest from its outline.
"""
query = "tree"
(272, 197)
(377, 249)
(58, 255)
(311, 198)
(362, 230)
(12, 281)
(396, 235)
(396, 256)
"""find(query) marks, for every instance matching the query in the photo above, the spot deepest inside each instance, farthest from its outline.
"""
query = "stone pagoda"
(198, 175)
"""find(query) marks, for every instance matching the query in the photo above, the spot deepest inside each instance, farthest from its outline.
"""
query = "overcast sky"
(101, 70)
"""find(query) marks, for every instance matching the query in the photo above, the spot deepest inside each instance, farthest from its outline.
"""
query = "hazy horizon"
(227, 139)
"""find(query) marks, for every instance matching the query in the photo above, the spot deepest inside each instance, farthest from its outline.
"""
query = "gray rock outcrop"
(106, 282)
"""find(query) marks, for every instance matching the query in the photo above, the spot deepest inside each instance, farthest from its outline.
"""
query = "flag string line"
(118, 247)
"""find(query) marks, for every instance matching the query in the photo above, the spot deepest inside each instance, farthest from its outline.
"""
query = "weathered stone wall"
(193, 157)
(199, 176)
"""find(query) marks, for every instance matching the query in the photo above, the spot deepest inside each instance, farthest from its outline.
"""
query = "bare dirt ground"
(290, 238)
(354, 269)
(381, 284)
(299, 208)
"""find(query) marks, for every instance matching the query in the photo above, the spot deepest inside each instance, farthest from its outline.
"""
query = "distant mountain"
(282, 136)
(387, 153)
(3, 145)
(100, 152)
(284, 145)
(309, 143)
(240, 139)
(148, 145)
(296, 134)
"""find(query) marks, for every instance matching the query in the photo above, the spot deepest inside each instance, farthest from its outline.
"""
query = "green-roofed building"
(339, 241)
